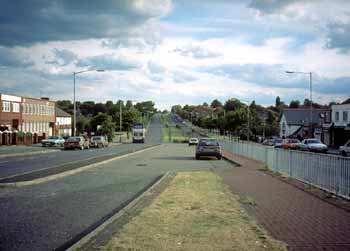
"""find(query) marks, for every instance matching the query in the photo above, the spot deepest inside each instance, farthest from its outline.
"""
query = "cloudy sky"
(176, 52)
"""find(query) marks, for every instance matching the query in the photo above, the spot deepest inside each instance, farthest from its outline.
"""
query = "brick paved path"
(303, 221)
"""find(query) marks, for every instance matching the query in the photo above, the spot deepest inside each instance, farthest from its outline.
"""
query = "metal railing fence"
(328, 172)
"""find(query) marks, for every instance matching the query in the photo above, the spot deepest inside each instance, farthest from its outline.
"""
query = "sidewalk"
(296, 217)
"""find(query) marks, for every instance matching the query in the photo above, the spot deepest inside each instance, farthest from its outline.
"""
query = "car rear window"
(73, 139)
(293, 141)
(53, 137)
(208, 142)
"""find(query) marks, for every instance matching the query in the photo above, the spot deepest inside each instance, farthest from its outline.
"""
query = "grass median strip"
(196, 212)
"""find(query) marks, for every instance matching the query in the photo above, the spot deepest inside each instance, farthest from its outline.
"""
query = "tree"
(128, 105)
(215, 104)
(109, 107)
(294, 104)
(83, 124)
(108, 128)
(98, 120)
(307, 102)
(278, 101)
(232, 104)
(87, 108)
(65, 105)
(146, 107)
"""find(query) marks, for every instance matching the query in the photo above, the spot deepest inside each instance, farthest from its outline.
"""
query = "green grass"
(196, 212)
(176, 133)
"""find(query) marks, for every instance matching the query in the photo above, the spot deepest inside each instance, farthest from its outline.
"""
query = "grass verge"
(196, 212)
(171, 133)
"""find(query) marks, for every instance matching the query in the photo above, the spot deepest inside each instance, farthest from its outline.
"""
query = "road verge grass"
(196, 212)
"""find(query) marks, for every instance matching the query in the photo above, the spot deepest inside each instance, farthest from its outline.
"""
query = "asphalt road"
(27, 164)
(45, 216)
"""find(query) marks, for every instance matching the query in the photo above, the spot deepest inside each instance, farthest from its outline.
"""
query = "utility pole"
(120, 116)
(248, 122)
(310, 75)
(311, 105)
(74, 101)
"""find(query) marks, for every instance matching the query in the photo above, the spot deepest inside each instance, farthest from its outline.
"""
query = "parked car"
(76, 143)
(98, 141)
(313, 145)
(278, 143)
(193, 141)
(268, 142)
(293, 144)
(345, 149)
(53, 141)
(208, 147)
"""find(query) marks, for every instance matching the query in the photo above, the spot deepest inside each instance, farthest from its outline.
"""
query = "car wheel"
(219, 157)
(343, 153)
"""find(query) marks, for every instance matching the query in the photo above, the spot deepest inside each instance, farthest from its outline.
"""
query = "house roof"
(346, 102)
(61, 113)
(302, 116)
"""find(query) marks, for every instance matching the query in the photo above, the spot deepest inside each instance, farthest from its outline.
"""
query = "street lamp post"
(74, 102)
(248, 134)
(310, 76)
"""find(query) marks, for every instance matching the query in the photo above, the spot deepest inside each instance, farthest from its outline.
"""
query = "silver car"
(208, 147)
(313, 145)
(345, 149)
(53, 141)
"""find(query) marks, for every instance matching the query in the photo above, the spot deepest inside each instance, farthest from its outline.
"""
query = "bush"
(21, 134)
(180, 140)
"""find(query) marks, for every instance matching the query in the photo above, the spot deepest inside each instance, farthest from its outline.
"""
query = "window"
(337, 116)
(345, 116)
(6, 106)
(15, 107)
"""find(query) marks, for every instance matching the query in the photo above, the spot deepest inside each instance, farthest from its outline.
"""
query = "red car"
(293, 144)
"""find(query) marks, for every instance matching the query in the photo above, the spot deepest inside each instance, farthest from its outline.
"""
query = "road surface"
(46, 216)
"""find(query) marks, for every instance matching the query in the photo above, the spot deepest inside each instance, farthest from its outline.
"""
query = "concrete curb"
(27, 153)
(71, 172)
(124, 211)
(230, 160)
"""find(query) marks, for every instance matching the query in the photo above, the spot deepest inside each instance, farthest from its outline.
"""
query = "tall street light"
(74, 103)
(310, 75)
(248, 134)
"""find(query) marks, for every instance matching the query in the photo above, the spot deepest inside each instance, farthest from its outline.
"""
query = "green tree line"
(232, 116)
(105, 117)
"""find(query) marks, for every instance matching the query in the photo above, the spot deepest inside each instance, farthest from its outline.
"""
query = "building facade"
(10, 112)
(63, 124)
(295, 123)
(38, 116)
(341, 123)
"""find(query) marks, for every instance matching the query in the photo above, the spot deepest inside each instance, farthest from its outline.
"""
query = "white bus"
(138, 133)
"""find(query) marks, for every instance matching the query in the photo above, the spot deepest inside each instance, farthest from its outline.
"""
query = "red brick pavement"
(289, 214)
